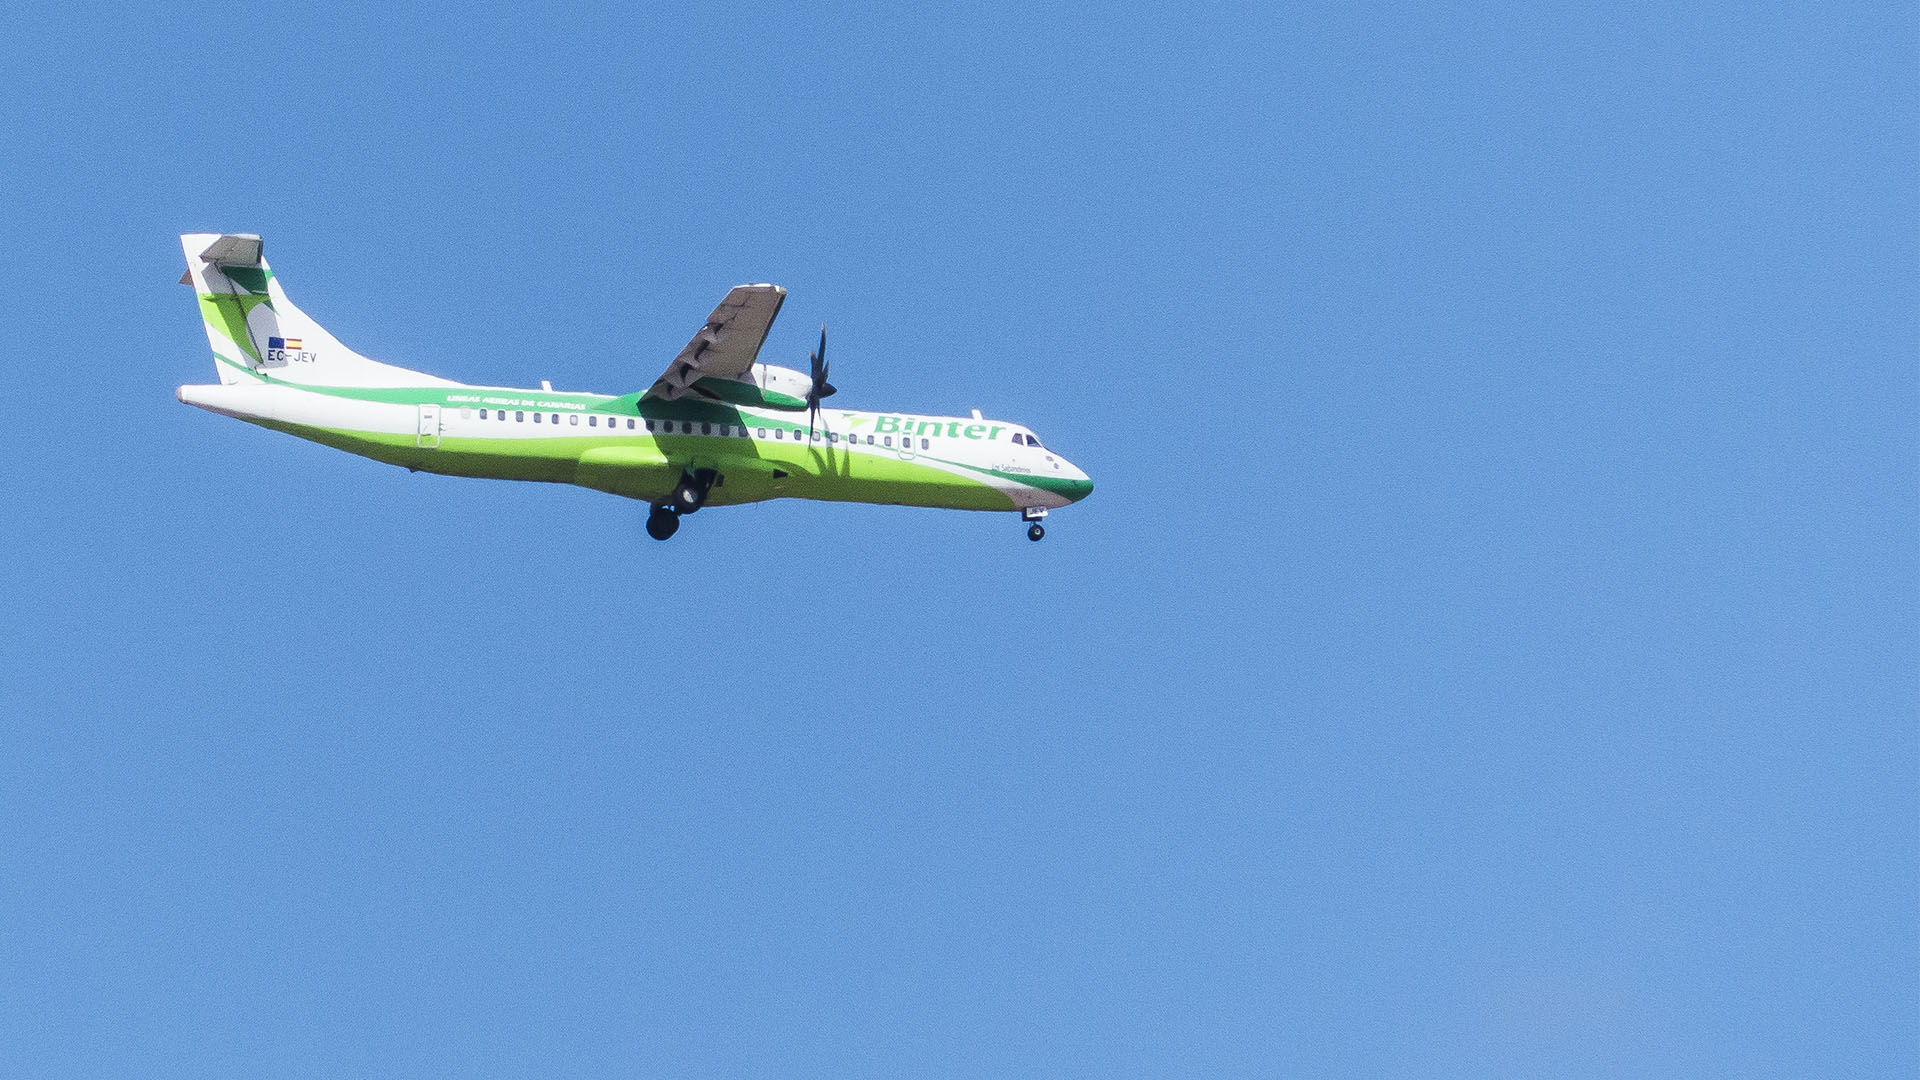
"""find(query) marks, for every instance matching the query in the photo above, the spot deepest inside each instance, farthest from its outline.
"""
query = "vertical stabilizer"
(256, 333)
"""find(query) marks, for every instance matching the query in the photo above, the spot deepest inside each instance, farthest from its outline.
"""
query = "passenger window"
(924, 444)
(536, 418)
(483, 414)
(519, 418)
(888, 440)
(761, 431)
(573, 419)
(593, 421)
(779, 434)
(869, 440)
(649, 424)
(464, 413)
(706, 429)
(556, 418)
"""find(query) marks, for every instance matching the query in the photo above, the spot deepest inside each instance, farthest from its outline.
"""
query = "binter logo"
(952, 429)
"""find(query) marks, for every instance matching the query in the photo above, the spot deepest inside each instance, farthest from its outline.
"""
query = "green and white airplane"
(717, 428)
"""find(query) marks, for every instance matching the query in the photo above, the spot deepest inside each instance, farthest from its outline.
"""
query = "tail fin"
(259, 336)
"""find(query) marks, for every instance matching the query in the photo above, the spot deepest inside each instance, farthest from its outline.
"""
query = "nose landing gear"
(1033, 514)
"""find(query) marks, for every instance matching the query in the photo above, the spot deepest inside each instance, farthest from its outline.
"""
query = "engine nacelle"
(782, 388)
(765, 385)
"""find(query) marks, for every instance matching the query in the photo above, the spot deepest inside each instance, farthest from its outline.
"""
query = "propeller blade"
(826, 388)
(820, 387)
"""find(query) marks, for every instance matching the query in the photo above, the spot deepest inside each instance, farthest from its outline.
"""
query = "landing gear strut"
(690, 493)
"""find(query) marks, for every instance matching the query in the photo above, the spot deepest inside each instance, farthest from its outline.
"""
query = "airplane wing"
(727, 345)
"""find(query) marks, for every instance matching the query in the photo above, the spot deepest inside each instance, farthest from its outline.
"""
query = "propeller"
(821, 387)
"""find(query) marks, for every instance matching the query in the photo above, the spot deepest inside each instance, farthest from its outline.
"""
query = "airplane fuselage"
(638, 447)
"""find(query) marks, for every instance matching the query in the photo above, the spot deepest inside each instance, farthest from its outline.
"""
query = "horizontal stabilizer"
(239, 249)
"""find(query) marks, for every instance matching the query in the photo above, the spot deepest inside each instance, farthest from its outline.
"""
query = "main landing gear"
(689, 495)
(1034, 513)
(1035, 531)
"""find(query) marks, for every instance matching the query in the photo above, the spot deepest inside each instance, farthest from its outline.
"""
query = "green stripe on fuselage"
(813, 471)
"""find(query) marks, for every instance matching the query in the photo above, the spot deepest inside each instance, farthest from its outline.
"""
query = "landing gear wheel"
(662, 523)
(1035, 531)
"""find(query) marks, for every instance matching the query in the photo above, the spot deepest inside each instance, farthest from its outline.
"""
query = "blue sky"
(1490, 650)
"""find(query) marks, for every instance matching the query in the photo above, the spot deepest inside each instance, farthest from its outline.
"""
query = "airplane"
(717, 428)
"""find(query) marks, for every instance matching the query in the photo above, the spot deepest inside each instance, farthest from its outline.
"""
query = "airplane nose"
(1080, 486)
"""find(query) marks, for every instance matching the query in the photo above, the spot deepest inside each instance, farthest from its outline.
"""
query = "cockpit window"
(1033, 440)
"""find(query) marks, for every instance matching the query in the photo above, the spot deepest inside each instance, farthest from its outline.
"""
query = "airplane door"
(429, 427)
(907, 452)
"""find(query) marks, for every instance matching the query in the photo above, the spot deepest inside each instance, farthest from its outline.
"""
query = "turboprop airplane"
(717, 428)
